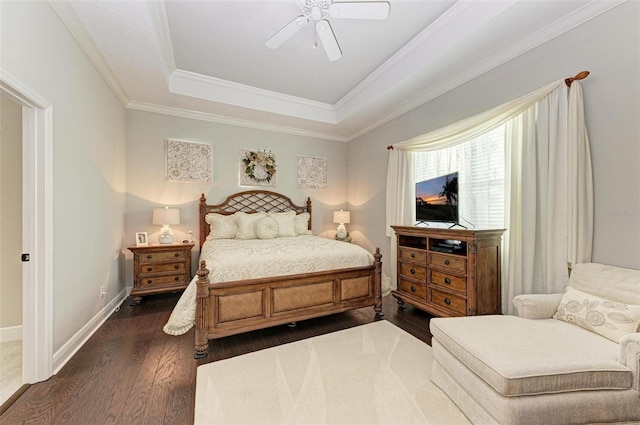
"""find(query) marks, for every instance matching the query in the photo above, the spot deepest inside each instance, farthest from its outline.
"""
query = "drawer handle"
(413, 288)
(149, 257)
(413, 271)
(447, 301)
(149, 281)
(149, 269)
(446, 262)
(176, 267)
(413, 255)
(176, 278)
(177, 254)
(447, 280)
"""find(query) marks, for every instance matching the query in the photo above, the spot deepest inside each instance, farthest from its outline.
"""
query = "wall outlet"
(102, 292)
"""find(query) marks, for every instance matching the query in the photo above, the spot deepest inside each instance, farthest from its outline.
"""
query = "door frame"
(37, 229)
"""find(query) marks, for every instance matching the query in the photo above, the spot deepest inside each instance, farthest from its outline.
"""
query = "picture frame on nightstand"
(142, 239)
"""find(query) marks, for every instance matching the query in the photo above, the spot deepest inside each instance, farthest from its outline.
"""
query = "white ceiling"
(208, 59)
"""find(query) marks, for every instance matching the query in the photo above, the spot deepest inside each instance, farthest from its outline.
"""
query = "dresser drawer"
(411, 254)
(412, 288)
(176, 279)
(161, 268)
(414, 271)
(450, 302)
(450, 262)
(445, 280)
(155, 257)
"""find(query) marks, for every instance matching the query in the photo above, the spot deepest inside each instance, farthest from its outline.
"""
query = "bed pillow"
(266, 228)
(607, 318)
(247, 224)
(302, 224)
(286, 223)
(221, 226)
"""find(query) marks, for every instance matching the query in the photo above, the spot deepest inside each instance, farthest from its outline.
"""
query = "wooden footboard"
(229, 308)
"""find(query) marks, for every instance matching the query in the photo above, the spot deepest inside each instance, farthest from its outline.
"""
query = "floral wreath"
(264, 160)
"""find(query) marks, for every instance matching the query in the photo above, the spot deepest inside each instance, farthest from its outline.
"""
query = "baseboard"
(64, 354)
(11, 333)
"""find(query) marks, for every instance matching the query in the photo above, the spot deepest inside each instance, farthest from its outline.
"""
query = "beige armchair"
(571, 358)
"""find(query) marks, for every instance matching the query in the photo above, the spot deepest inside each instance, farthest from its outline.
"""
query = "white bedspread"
(233, 259)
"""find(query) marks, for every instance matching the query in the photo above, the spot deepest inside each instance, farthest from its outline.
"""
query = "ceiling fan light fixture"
(315, 12)
(318, 11)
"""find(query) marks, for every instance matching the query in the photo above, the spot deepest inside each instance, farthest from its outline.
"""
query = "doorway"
(10, 246)
(36, 229)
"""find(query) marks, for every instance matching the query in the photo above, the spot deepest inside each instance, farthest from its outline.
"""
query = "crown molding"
(203, 116)
(563, 25)
(444, 32)
(218, 90)
(70, 19)
(459, 21)
(160, 23)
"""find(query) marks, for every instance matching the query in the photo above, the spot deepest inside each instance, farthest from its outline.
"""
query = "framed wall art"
(312, 172)
(189, 162)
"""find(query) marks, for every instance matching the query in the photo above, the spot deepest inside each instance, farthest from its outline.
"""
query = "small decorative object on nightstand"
(341, 218)
(165, 217)
(160, 268)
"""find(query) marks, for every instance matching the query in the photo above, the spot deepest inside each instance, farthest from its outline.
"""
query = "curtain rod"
(579, 76)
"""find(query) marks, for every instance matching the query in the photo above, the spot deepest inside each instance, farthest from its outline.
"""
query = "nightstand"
(160, 268)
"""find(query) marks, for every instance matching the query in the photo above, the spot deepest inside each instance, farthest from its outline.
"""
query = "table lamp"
(165, 217)
(341, 218)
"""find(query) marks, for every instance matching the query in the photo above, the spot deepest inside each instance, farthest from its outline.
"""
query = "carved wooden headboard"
(251, 201)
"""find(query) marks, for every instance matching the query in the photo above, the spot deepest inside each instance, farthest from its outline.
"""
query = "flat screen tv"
(437, 199)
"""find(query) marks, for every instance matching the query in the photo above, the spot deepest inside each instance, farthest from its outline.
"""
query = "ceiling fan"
(318, 12)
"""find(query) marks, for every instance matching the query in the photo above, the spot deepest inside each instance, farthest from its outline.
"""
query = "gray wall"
(147, 186)
(609, 47)
(89, 181)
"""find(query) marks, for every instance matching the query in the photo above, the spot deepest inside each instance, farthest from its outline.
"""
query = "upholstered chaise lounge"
(571, 358)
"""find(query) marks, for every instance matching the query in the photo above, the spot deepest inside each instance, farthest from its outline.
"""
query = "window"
(480, 164)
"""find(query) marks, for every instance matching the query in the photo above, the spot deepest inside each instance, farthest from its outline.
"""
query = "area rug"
(371, 374)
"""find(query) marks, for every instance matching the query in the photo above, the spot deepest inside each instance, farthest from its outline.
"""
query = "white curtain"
(548, 198)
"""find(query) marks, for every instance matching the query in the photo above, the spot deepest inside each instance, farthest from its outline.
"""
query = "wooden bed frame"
(230, 308)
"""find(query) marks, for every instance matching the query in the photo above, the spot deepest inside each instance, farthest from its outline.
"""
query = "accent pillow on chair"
(608, 318)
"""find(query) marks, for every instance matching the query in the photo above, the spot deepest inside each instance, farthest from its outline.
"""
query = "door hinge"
(26, 257)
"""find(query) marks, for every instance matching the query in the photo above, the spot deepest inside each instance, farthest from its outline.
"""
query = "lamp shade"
(166, 215)
(342, 217)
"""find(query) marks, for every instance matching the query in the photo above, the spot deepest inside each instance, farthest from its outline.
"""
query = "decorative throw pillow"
(247, 224)
(302, 224)
(221, 226)
(266, 228)
(286, 223)
(607, 318)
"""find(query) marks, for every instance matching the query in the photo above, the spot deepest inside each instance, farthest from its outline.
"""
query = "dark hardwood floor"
(131, 372)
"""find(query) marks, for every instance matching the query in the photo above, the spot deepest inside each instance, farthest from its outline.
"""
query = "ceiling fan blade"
(328, 39)
(360, 10)
(287, 32)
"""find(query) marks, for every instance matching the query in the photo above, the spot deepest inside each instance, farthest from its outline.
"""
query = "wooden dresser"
(449, 272)
(160, 268)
